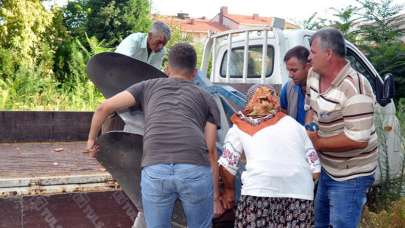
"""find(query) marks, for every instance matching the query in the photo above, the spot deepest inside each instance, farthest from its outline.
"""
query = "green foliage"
(107, 20)
(379, 38)
(43, 54)
(381, 20)
(56, 33)
(32, 87)
(176, 37)
(44, 93)
(75, 17)
(345, 18)
(71, 58)
(314, 22)
(8, 63)
(401, 114)
(24, 27)
(389, 57)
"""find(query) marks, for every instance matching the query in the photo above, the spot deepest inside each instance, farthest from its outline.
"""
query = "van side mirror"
(387, 90)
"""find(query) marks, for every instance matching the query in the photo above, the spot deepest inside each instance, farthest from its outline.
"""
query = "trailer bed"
(46, 159)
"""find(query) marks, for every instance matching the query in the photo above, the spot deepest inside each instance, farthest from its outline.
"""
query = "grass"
(36, 92)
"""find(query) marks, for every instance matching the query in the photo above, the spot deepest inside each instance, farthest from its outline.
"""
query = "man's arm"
(309, 116)
(210, 138)
(229, 188)
(118, 102)
(358, 121)
(338, 143)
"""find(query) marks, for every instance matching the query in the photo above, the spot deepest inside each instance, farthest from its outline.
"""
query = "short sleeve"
(137, 91)
(283, 97)
(311, 155)
(232, 151)
(129, 45)
(358, 113)
(213, 111)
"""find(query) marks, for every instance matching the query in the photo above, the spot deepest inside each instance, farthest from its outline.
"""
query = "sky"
(293, 10)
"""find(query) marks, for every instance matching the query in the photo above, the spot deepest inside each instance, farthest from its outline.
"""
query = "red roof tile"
(192, 25)
(255, 20)
(250, 20)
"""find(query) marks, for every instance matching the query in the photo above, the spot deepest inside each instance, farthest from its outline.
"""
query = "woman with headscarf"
(277, 185)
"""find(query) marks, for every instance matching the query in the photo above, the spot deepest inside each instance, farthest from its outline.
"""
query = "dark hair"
(299, 52)
(333, 39)
(183, 56)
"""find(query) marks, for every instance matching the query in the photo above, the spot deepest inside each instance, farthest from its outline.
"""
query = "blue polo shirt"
(135, 46)
(301, 101)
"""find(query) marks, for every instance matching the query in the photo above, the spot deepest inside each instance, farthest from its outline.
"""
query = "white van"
(256, 56)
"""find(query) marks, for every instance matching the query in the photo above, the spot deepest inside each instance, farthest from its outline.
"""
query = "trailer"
(47, 181)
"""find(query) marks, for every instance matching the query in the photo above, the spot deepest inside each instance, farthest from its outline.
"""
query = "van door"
(387, 125)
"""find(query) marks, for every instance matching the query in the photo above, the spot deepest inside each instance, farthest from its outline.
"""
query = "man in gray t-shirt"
(176, 112)
(179, 152)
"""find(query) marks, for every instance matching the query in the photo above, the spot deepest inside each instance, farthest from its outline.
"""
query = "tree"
(380, 39)
(177, 36)
(23, 29)
(380, 20)
(345, 19)
(75, 17)
(106, 20)
(314, 22)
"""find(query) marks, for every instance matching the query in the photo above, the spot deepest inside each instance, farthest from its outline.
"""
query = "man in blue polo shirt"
(292, 96)
(147, 47)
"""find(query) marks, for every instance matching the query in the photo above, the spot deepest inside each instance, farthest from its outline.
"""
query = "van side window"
(358, 65)
(254, 62)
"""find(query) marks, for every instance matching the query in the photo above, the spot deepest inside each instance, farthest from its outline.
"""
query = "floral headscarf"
(263, 100)
(263, 104)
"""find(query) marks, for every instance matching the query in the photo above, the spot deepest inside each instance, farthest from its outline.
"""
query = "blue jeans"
(339, 203)
(162, 184)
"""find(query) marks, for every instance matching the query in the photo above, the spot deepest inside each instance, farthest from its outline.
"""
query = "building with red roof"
(198, 28)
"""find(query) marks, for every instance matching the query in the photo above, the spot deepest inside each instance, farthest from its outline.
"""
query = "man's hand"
(92, 147)
(313, 135)
(228, 199)
(315, 176)
(218, 209)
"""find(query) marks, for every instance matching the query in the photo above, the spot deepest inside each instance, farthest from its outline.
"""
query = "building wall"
(226, 22)
(198, 37)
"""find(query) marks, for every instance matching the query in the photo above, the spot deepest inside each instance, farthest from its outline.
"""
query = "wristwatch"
(311, 126)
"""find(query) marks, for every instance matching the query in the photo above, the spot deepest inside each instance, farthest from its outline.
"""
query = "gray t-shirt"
(176, 112)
